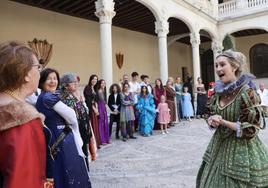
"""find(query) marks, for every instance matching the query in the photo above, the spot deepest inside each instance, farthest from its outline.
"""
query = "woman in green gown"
(235, 156)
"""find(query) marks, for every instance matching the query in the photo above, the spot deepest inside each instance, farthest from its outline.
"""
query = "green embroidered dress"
(231, 161)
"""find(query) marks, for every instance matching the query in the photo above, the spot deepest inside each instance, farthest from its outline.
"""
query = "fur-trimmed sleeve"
(251, 114)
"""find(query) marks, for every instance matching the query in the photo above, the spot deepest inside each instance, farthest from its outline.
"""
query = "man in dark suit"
(114, 104)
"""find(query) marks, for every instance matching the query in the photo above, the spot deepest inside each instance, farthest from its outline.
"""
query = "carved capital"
(195, 39)
(162, 28)
(105, 10)
(217, 47)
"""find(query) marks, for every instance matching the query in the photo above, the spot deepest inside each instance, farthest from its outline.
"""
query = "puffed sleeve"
(211, 106)
(152, 104)
(151, 107)
(132, 99)
(123, 101)
(140, 103)
(50, 99)
(251, 114)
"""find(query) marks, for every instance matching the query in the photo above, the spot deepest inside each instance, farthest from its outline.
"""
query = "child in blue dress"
(187, 108)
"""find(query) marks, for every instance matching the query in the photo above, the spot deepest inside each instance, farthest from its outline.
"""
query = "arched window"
(259, 60)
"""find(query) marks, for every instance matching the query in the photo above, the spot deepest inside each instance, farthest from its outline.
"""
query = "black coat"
(112, 102)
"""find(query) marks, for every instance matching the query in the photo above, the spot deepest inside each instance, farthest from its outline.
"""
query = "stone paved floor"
(159, 161)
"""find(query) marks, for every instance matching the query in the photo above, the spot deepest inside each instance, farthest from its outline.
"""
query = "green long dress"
(231, 161)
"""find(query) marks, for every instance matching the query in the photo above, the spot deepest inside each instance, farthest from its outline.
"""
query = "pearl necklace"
(10, 93)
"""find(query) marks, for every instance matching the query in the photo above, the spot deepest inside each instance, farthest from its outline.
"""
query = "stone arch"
(178, 37)
(151, 7)
(158, 13)
(171, 40)
(258, 56)
(244, 28)
(233, 30)
(185, 20)
(206, 56)
(207, 67)
(212, 34)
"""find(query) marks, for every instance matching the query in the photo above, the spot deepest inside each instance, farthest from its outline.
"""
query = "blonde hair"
(163, 97)
(237, 60)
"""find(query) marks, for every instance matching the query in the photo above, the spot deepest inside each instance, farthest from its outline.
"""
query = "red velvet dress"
(91, 100)
(22, 156)
(157, 92)
(22, 152)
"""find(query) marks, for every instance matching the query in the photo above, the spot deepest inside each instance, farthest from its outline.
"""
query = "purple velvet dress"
(103, 119)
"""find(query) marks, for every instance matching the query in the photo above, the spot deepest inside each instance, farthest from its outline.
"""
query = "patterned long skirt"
(172, 107)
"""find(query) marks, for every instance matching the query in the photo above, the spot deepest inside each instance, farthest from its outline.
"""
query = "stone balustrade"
(206, 6)
(227, 8)
(257, 3)
(233, 8)
(236, 8)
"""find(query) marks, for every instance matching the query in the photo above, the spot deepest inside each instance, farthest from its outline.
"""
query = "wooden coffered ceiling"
(130, 14)
(249, 32)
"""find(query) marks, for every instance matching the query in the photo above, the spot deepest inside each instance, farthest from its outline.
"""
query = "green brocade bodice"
(243, 158)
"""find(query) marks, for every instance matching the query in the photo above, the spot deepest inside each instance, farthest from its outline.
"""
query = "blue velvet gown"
(68, 169)
(147, 114)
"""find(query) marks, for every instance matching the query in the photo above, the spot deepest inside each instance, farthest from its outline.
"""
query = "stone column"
(195, 41)
(162, 29)
(215, 4)
(217, 48)
(105, 13)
